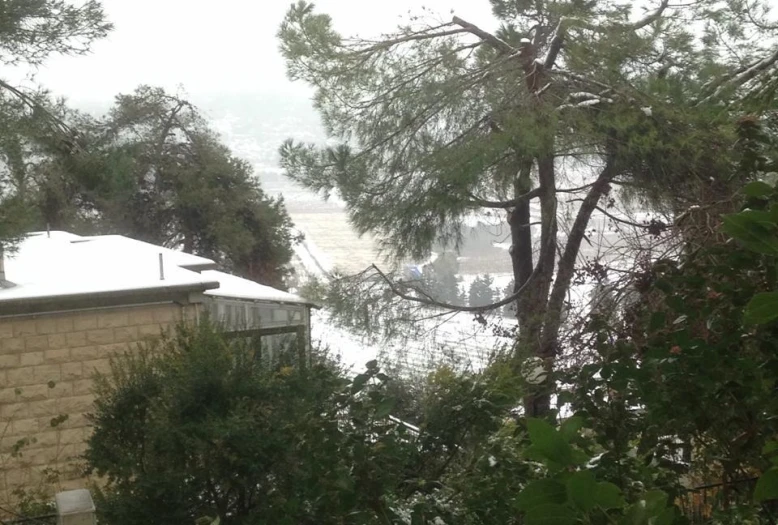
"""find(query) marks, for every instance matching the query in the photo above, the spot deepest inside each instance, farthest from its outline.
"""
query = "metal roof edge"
(27, 305)
(302, 301)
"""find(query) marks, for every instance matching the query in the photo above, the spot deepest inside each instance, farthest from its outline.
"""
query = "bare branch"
(500, 45)
(428, 301)
(573, 190)
(555, 46)
(623, 221)
(506, 204)
(410, 38)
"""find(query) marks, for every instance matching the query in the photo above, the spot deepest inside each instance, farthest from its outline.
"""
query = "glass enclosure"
(278, 325)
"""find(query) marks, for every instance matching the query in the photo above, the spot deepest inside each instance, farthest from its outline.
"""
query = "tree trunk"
(521, 241)
(531, 307)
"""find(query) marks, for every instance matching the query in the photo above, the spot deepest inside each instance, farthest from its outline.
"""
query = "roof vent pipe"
(161, 268)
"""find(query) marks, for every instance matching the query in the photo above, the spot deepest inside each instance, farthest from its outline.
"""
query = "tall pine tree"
(563, 102)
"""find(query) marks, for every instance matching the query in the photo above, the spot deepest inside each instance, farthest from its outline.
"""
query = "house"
(68, 303)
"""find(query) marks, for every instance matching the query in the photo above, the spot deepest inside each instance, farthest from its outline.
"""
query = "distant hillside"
(255, 126)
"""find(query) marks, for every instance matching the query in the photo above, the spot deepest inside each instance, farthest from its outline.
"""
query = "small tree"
(200, 424)
(481, 292)
(197, 425)
(441, 279)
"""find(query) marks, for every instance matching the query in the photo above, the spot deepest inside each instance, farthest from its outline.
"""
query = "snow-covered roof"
(231, 286)
(60, 264)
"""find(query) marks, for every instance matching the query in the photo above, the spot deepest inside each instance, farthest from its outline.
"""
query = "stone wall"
(47, 363)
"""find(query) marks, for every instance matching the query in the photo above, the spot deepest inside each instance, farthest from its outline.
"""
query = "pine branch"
(429, 301)
(35, 106)
(506, 204)
(650, 18)
(744, 75)
(500, 45)
(757, 23)
(411, 38)
(555, 46)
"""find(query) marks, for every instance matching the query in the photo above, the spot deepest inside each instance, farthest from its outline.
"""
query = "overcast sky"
(210, 47)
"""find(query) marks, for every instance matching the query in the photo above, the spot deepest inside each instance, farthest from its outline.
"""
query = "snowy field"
(457, 339)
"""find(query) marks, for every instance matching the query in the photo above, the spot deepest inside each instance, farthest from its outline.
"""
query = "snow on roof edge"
(58, 265)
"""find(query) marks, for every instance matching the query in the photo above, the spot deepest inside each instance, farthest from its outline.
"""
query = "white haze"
(211, 48)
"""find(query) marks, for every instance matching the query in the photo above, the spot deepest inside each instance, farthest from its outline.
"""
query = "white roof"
(61, 264)
(231, 286)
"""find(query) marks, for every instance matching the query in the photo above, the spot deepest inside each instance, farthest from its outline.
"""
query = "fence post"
(75, 507)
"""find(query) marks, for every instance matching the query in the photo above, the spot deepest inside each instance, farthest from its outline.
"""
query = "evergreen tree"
(440, 279)
(509, 310)
(154, 170)
(442, 120)
(481, 292)
(30, 32)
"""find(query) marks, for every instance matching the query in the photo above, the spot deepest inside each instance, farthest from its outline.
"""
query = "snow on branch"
(742, 77)
(650, 18)
(582, 99)
(555, 46)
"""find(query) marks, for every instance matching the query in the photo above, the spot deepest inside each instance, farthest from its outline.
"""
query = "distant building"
(68, 303)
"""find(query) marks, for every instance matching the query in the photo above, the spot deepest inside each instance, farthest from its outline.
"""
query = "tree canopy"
(153, 169)
(30, 32)
(564, 105)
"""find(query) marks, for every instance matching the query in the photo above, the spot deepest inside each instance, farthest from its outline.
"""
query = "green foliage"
(431, 117)
(153, 169)
(767, 486)
(443, 120)
(705, 325)
(570, 492)
(199, 425)
(481, 292)
(30, 32)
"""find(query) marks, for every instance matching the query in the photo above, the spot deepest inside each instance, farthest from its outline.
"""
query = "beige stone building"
(68, 303)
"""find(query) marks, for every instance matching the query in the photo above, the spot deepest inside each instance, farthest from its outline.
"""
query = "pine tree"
(481, 292)
(577, 99)
(155, 171)
(30, 32)
(442, 280)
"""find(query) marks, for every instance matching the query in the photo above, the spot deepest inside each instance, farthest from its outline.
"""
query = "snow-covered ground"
(457, 340)
(255, 128)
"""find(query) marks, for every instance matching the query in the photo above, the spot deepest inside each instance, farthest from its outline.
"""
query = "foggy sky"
(211, 48)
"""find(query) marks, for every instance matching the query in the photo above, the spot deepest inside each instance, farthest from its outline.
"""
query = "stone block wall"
(47, 363)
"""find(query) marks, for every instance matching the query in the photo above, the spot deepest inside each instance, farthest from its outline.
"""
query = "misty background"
(225, 58)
